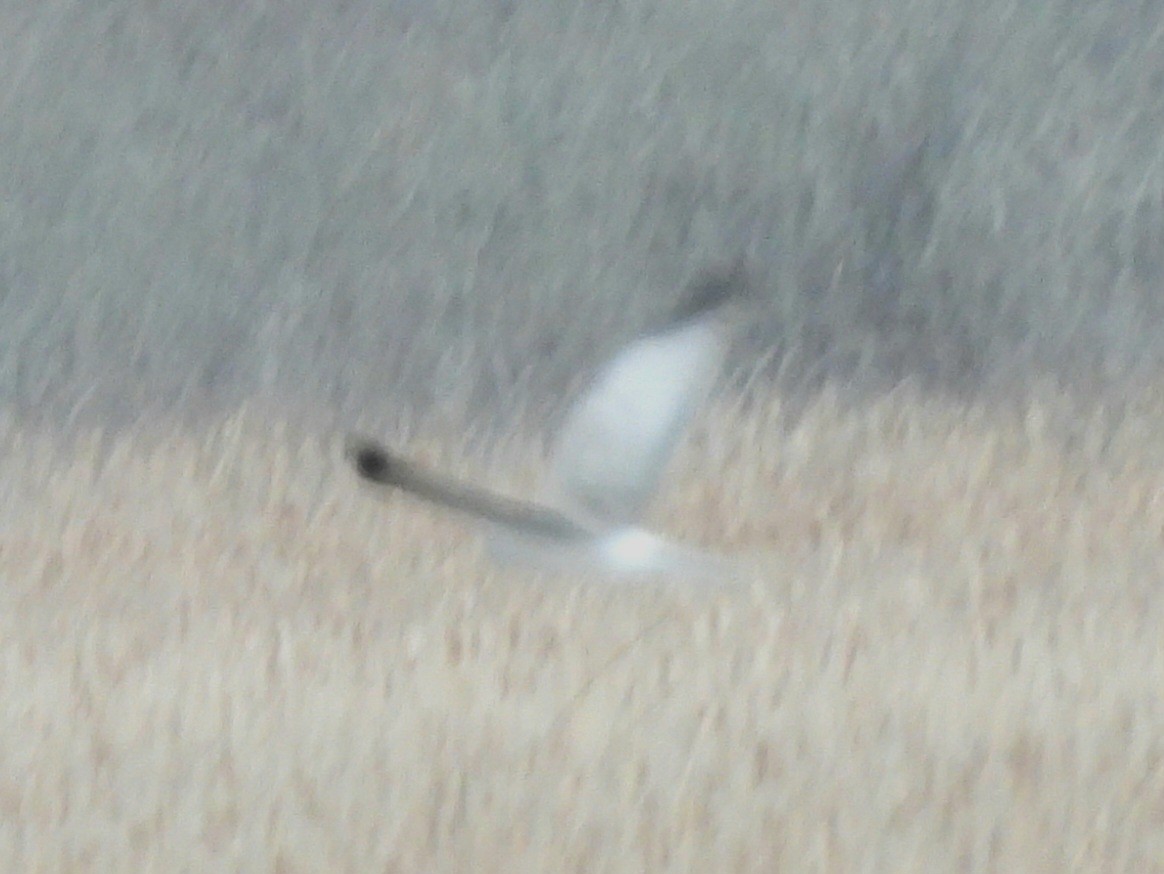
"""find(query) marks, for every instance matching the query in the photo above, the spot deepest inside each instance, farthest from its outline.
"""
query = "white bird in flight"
(608, 459)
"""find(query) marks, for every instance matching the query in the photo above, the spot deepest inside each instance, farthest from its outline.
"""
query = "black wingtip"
(712, 289)
(370, 461)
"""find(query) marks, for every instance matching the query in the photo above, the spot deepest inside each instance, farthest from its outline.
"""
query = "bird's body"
(610, 454)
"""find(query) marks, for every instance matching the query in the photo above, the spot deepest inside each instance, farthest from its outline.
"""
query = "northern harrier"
(611, 452)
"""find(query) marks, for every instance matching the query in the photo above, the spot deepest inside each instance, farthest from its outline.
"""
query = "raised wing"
(617, 439)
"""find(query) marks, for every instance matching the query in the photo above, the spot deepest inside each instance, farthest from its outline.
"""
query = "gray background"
(366, 210)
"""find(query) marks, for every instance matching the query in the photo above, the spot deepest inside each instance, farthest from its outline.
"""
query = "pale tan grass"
(218, 653)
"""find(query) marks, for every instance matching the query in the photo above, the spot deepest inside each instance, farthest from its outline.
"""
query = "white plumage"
(617, 439)
(611, 452)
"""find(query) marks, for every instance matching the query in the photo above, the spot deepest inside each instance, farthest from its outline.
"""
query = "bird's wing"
(376, 464)
(618, 437)
(531, 534)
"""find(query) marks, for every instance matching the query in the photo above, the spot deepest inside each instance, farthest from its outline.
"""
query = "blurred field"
(219, 654)
(392, 205)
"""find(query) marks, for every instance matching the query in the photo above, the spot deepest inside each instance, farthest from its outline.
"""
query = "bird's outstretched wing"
(532, 534)
(619, 436)
(376, 464)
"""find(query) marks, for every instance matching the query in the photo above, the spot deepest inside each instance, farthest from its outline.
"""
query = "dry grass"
(218, 656)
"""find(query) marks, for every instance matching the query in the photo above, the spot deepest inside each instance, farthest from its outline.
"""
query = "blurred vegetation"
(376, 209)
